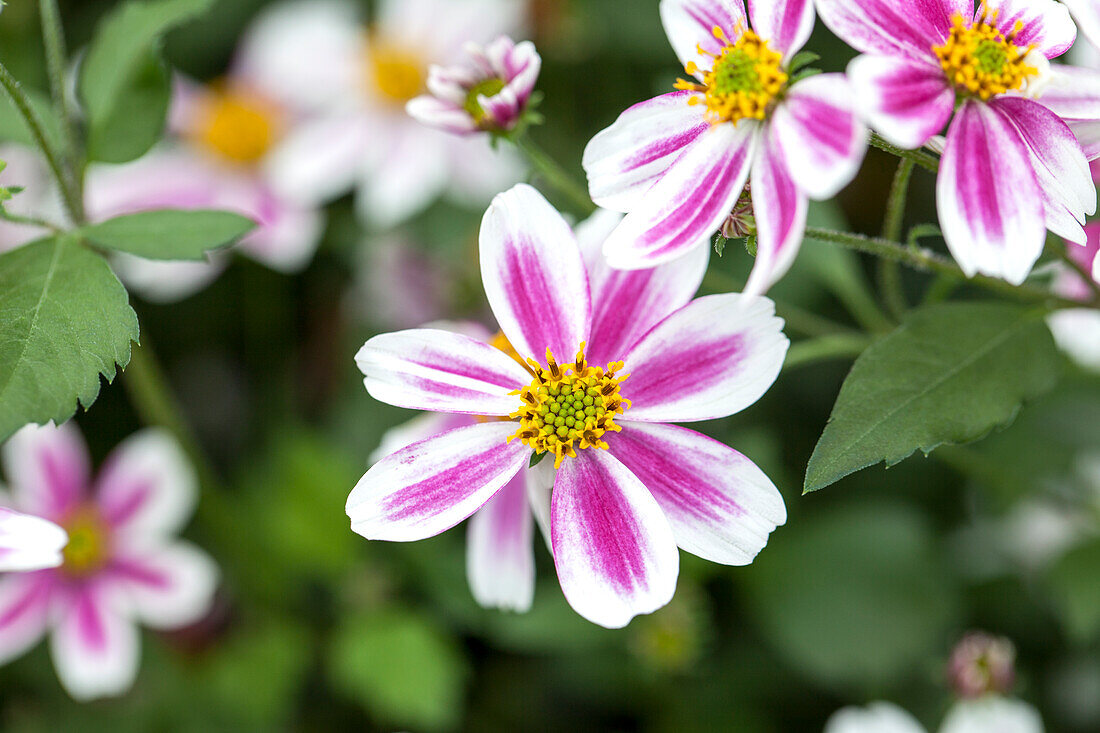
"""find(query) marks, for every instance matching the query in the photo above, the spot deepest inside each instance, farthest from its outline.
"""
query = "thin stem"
(921, 158)
(32, 221)
(923, 259)
(889, 271)
(54, 38)
(23, 104)
(826, 348)
(556, 175)
(797, 319)
(155, 403)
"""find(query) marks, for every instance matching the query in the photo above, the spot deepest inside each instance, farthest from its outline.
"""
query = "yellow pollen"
(237, 125)
(983, 62)
(398, 73)
(87, 550)
(569, 407)
(743, 82)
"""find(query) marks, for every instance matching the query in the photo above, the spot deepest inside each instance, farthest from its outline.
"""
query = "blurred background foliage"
(859, 597)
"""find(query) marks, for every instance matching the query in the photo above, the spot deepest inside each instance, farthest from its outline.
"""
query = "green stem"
(922, 259)
(155, 403)
(23, 104)
(32, 221)
(889, 271)
(54, 39)
(556, 175)
(797, 319)
(921, 158)
(825, 348)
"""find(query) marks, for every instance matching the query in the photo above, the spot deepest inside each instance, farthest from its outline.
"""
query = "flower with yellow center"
(571, 407)
(743, 82)
(983, 62)
(237, 125)
(398, 73)
(88, 548)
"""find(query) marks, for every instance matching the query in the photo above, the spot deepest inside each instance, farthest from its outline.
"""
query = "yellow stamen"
(744, 80)
(569, 407)
(87, 551)
(398, 73)
(237, 125)
(983, 62)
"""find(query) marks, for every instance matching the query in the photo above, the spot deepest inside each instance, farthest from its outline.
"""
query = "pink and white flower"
(679, 162)
(28, 542)
(623, 488)
(122, 564)
(1087, 15)
(1077, 330)
(1012, 166)
(986, 715)
(490, 93)
(358, 80)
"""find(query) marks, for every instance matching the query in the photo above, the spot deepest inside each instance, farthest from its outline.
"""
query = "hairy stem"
(921, 158)
(34, 124)
(923, 259)
(556, 175)
(54, 39)
(889, 272)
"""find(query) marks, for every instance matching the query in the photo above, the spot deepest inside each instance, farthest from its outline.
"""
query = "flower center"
(488, 87)
(744, 79)
(398, 73)
(983, 62)
(87, 550)
(570, 407)
(238, 125)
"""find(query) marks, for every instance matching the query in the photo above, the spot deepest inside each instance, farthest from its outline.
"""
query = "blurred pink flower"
(1013, 166)
(489, 93)
(26, 168)
(400, 285)
(982, 664)
(28, 542)
(357, 80)
(122, 564)
(1077, 330)
(624, 493)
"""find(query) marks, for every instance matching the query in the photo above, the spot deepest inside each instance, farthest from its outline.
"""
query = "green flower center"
(489, 88)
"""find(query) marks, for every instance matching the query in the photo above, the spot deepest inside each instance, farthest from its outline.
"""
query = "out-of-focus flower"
(122, 564)
(28, 542)
(678, 163)
(26, 168)
(1012, 166)
(489, 94)
(627, 488)
(221, 137)
(1077, 330)
(988, 715)
(399, 284)
(981, 664)
(358, 82)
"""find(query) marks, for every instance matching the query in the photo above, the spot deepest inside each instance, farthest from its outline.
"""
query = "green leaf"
(1075, 589)
(14, 129)
(123, 83)
(402, 668)
(853, 595)
(950, 374)
(65, 319)
(802, 59)
(169, 234)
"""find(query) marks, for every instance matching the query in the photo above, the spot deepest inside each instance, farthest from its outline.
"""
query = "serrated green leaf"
(402, 668)
(123, 83)
(169, 234)
(65, 319)
(950, 374)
